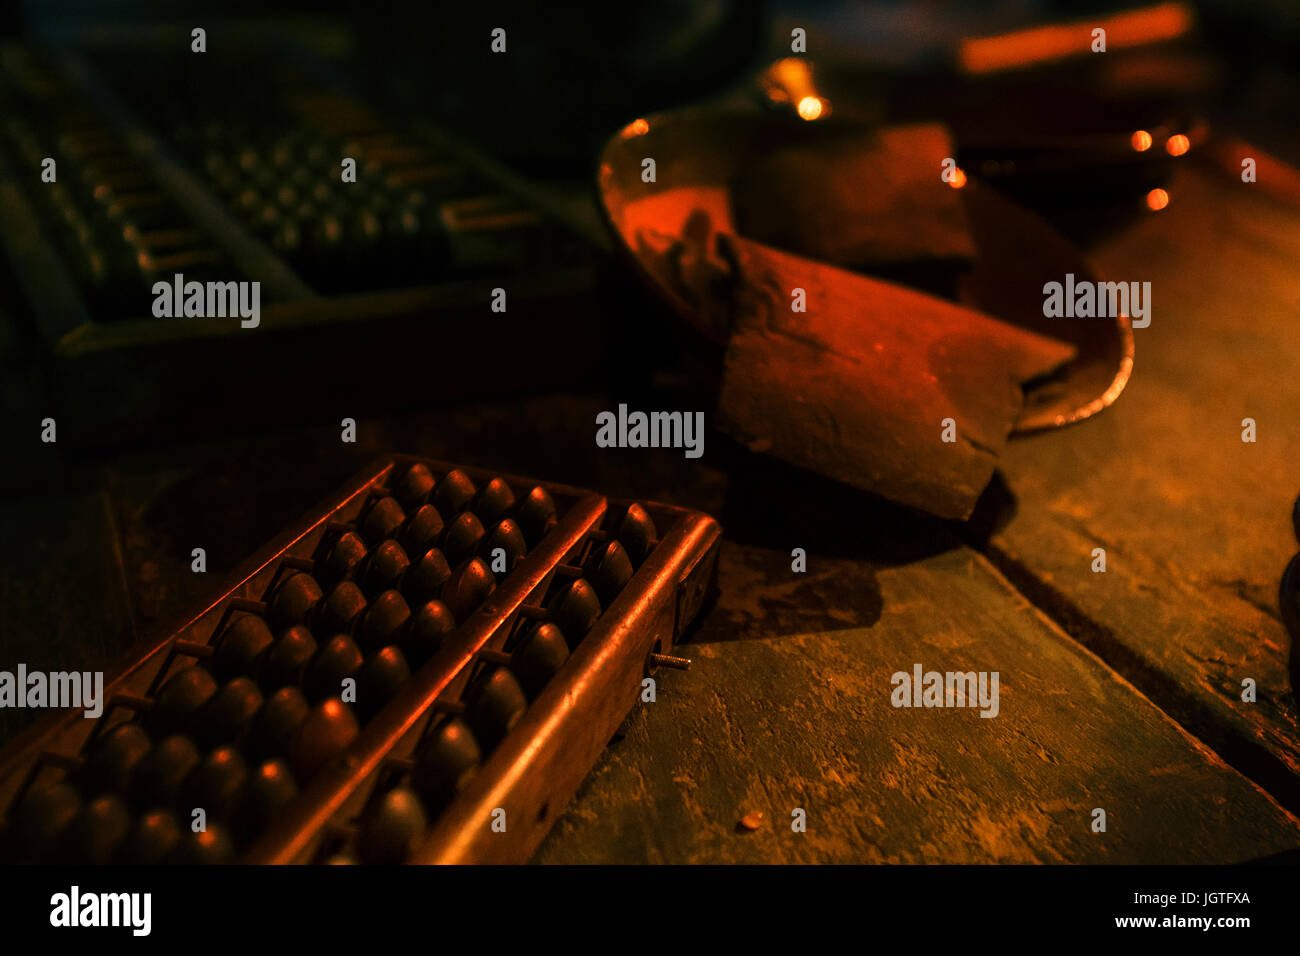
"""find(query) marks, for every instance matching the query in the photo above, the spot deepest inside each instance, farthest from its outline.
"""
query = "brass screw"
(667, 660)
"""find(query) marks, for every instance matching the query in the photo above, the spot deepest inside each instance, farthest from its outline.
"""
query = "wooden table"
(1119, 691)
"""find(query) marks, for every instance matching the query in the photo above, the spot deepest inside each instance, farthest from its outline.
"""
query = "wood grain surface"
(803, 719)
(1195, 522)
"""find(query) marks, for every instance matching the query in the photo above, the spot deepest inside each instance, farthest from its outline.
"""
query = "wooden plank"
(804, 719)
(1195, 522)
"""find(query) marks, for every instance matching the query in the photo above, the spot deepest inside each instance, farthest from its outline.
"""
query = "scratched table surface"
(1119, 691)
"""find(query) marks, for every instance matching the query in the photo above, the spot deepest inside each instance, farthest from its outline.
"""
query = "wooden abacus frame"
(541, 761)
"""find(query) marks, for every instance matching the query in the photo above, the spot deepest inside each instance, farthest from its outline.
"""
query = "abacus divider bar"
(193, 649)
(541, 762)
(64, 762)
(137, 703)
(300, 823)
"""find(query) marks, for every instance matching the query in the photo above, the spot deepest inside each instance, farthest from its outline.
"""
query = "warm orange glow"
(810, 107)
(638, 127)
(958, 178)
(1157, 199)
(791, 81)
(1042, 44)
(1177, 145)
(788, 80)
(1141, 140)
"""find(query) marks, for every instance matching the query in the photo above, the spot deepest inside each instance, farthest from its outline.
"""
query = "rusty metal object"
(699, 153)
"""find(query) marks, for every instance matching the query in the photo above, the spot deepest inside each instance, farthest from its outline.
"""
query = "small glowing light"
(810, 107)
(1141, 140)
(1177, 145)
(638, 127)
(958, 178)
(1157, 199)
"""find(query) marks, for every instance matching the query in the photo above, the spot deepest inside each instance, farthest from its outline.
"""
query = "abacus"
(223, 177)
(423, 669)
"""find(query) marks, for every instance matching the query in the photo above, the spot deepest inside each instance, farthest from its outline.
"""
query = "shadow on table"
(774, 510)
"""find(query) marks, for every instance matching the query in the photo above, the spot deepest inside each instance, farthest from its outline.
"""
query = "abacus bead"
(381, 520)
(94, 835)
(454, 493)
(539, 658)
(268, 790)
(468, 587)
(576, 611)
(383, 620)
(337, 660)
(444, 763)
(215, 783)
(461, 539)
(161, 772)
(231, 712)
(347, 552)
(240, 645)
(494, 501)
(287, 660)
(153, 837)
(277, 722)
(113, 757)
(380, 678)
(536, 515)
(608, 568)
(181, 699)
(384, 567)
(426, 631)
(495, 704)
(414, 487)
(329, 729)
(424, 581)
(635, 531)
(339, 610)
(43, 816)
(293, 600)
(506, 536)
(211, 847)
(421, 530)
(393, 828)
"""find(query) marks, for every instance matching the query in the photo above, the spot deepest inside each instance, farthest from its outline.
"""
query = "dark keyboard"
(422, 670)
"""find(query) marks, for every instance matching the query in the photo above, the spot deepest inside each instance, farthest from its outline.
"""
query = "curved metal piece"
(697, 154)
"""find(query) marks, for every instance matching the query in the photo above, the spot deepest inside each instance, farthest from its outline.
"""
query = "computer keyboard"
(423, 670)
